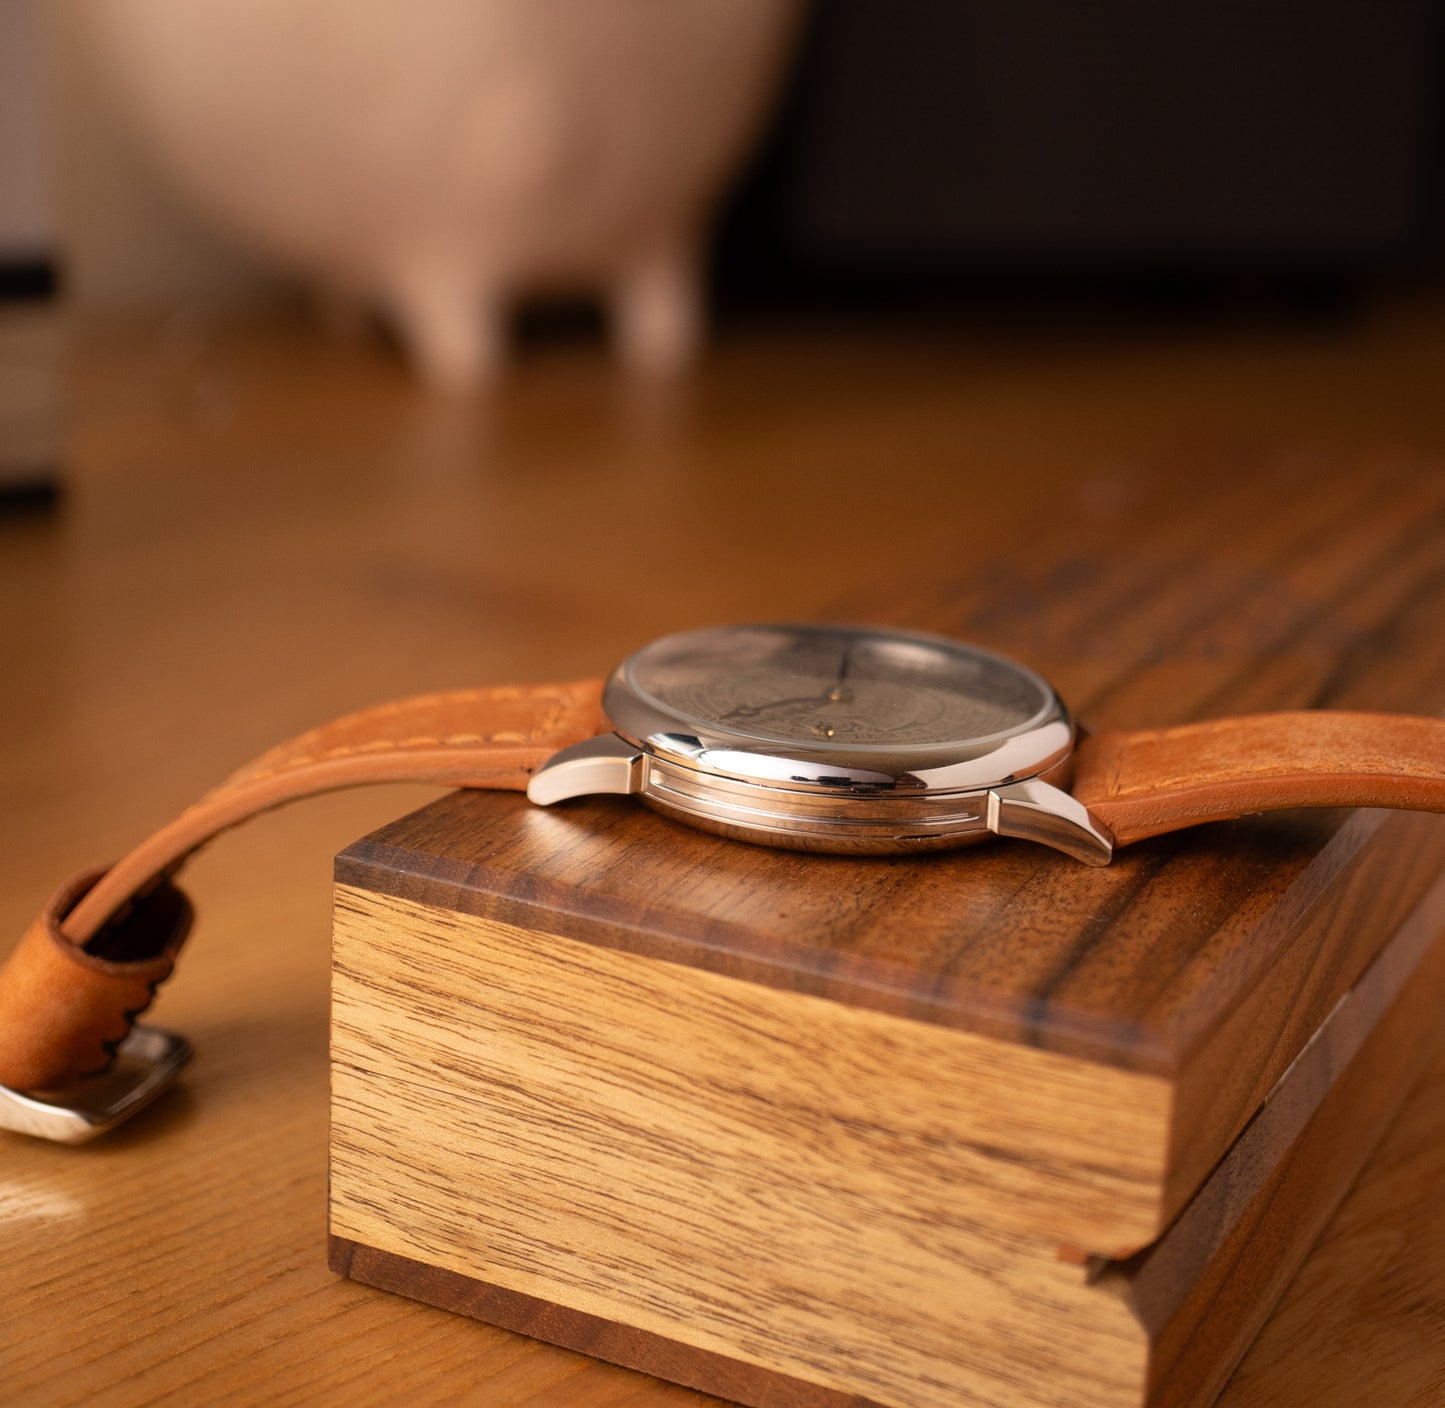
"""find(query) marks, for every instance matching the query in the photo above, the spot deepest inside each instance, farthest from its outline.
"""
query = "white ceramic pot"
(443, 159)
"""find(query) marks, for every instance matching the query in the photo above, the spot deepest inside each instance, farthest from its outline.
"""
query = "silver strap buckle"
(145, 1065)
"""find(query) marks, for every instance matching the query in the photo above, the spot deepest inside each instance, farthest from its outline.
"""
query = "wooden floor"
(262, 528)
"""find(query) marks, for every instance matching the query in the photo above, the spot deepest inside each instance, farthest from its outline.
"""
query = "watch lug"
(607, 763)
(1038, 811)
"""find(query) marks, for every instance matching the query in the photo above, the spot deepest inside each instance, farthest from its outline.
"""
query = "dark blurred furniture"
(923, 137)
(30, 387)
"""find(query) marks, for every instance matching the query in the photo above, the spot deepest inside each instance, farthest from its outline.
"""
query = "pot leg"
(657, 310)
(454, 335)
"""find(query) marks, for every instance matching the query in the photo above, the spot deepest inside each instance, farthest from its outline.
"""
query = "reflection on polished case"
(830, 738)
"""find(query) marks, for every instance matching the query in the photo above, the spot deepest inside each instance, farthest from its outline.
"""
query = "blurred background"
(920, 148)
(352, 348)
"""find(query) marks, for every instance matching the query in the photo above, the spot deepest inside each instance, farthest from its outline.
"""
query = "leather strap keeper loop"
(65, 1009)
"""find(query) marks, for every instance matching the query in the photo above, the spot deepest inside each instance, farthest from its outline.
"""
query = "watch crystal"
(836, 687)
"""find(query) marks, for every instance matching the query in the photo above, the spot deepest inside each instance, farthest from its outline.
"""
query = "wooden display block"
(789, 1169)
(983, 1127)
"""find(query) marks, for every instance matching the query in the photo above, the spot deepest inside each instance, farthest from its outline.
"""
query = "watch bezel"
(1040, 747)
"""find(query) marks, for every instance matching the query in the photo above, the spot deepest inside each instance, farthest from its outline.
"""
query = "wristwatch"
(816, 737)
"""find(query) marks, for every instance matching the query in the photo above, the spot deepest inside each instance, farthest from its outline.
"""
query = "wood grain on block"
(1022, 1139)
(685, 1207)
(1204, 967)
(810, 1186)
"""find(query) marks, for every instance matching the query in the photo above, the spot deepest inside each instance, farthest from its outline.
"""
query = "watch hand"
(751, 711)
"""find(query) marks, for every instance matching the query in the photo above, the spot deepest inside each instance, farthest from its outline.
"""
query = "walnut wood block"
(814, 1114)
(1110, 1144)
(645, 1162)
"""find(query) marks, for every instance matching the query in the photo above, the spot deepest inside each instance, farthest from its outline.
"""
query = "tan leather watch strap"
(92, 959)
(1143, 784)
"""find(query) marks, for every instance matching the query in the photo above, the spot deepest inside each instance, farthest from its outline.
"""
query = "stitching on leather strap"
(382, 745)
(565, 700)
(564, 697)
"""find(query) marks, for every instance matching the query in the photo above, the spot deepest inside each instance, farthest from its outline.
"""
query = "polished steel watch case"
(819, 795)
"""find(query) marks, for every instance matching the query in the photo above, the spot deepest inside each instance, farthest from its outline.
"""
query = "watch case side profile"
(892, 800)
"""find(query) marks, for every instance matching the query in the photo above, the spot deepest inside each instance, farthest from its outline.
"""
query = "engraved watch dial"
(836, 687)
